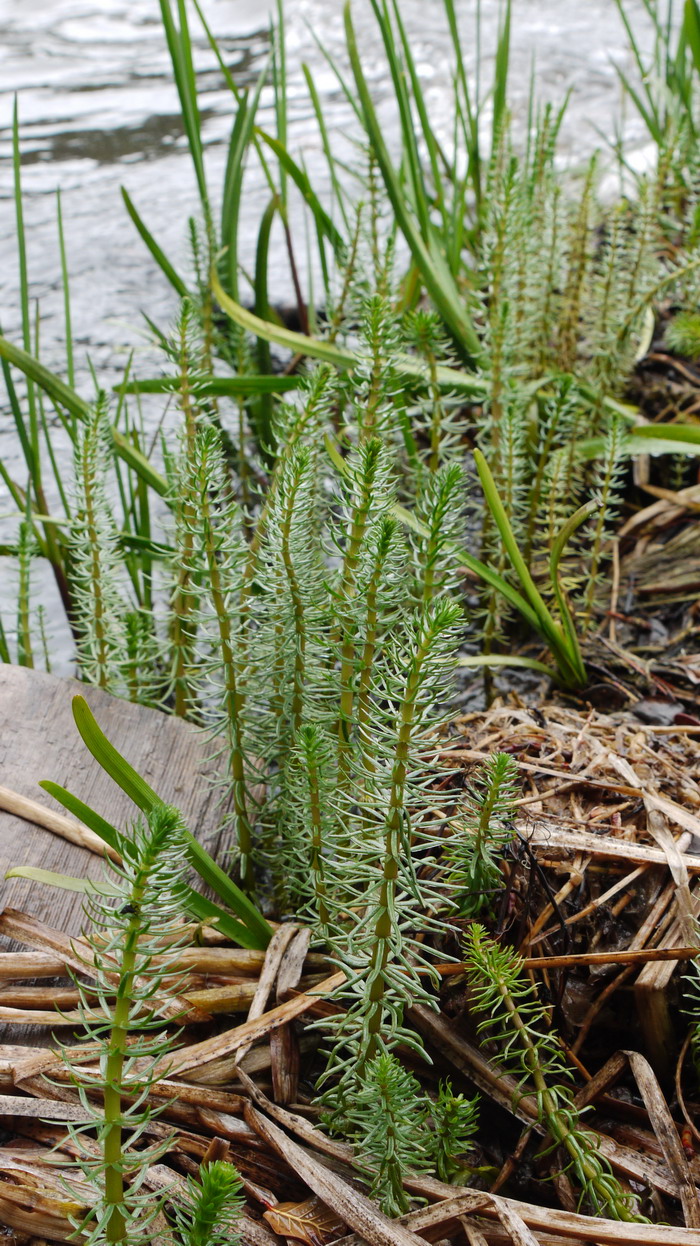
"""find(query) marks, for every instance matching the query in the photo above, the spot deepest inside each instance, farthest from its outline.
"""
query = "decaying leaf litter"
(599, 896)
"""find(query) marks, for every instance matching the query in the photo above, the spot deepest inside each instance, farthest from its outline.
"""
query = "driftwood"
(232, 1090)
(39, 740)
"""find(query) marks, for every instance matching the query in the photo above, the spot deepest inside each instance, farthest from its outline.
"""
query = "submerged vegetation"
(427, 476)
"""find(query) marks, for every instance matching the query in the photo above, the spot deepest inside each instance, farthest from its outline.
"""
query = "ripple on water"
(98, 109)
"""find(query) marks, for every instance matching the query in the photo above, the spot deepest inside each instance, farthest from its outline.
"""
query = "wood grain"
(39, 740)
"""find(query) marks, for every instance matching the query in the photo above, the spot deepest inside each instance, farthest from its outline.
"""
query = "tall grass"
(539, 305)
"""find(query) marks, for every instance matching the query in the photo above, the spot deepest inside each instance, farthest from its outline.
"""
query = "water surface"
(98, 110)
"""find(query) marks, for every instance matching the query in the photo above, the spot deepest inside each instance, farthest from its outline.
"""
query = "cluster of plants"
(436, 460)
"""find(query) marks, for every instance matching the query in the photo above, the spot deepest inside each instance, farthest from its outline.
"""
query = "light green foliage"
(300, 597)
(608, 490)
(26, 551)
(440, 507)
(482, 831)
(397, 1129)
(378, 902)
(96, 569)
(454, 1120)
(438, 416)
(517, 273)
(518, 1026)
(565, 289)
(211, 538)
(683, 334)
(127, 1025)
(211, 1214)
(386, 1121)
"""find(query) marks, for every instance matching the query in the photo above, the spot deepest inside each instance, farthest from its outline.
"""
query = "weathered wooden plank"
(39, 740)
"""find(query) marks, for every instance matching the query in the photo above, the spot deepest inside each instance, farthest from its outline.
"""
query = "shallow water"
(98, 110)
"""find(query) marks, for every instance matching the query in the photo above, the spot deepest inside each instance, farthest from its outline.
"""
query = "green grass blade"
(63, 396)
(158, 254)
(688, 433)
(279, 76)
(18, 417)
(51, 384)
(650, 113)
(146, 799)
(213, 386)
(67, 882)
(4, 647)
(67, 318)
(558, 546)
(138, 462)
(410, 146)
(315, 348)
(21, 236)
(261, 411)
(111, 760)
(641, 440)
(203, 910)
(242, 135)
(506, 659)
(299, 343)
(180, 48)
(433, 268)
(484, 572)
(548, 627)
(232, 896)
(338, 191)
(324, 224)
(212, 914)
(500, 83)
(108, 833)
(434, 154)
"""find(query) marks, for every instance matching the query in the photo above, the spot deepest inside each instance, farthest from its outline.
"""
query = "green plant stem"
(297, 606)
(316, 862)
(235, 699)
(25, 655)
(182, 604)
(557, 1123)
(116, 1228)
(358, 531)
(392, 845)
(92, 532)
(367, 661)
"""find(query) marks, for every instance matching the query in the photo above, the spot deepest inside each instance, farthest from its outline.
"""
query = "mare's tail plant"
(517, 1024)
(396, 1130)
(133, 943)
(95, 564)
(380, 882)
(386, 1123)
(211, 1212)
(483, 830)
(212, 557)
(455, 1119)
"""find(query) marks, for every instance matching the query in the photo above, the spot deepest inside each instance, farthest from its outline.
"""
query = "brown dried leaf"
(310, 1221)
(358, 1211)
